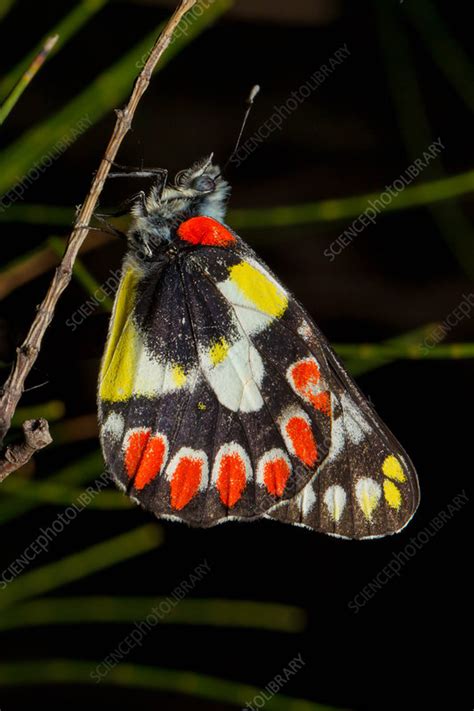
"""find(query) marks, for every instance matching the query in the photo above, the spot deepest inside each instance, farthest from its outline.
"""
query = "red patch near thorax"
(207, 231)
(231, 480)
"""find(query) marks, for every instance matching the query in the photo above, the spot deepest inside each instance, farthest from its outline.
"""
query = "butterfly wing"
(206, 413)
(220, 399)
(367, 487)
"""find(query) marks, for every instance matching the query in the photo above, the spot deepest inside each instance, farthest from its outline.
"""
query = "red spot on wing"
(152, 461)
(231, 479)
(275, 475)
(302, 439)
(205, 230)
(185, 481)
(322, 402)
(134, 451)
(306, 376)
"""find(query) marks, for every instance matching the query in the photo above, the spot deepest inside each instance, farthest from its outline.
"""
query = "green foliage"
(62, 671)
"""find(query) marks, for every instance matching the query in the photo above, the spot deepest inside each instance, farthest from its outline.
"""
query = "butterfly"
(220, 399)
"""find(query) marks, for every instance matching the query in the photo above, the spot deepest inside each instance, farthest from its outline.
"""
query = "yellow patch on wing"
(121, 352)
(178, 375)
(219, 351)
(393, 469)
(259, 289)
(392, 494)
(118, 379)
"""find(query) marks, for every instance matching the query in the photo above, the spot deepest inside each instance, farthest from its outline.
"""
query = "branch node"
(36, 435)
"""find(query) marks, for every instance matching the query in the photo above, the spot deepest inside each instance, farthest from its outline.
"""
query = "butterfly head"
(196, 191)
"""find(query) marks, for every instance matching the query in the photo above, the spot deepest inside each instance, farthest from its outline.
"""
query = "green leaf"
(52, 411)
(104, 609)
(66, 29)
(79, 565)
(286, 215)
(84, 470)
(65, 671)
(5, 7)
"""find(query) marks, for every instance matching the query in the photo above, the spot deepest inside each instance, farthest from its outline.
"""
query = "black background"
(407, 647)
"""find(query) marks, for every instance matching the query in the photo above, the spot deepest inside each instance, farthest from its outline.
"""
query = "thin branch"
(29, 350)
(36, 436)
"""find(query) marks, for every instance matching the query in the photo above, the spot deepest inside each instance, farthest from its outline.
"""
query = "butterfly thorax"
(198, 193)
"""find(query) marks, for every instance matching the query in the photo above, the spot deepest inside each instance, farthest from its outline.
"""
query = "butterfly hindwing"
(367, 486)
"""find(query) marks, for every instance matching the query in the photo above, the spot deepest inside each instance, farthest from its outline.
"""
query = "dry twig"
(36, 436)
(29, 350)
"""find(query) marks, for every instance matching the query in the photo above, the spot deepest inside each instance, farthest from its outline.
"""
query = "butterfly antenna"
(249, 103)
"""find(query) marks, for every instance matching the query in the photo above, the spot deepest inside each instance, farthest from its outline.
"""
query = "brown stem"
(36, 436)
(28, 352)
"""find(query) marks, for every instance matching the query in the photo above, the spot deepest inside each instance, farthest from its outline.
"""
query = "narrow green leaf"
(83, 470)
(285, 215)
(65, 29)
(392, 351)
(49, 492)
(27, 77)
(65, 671)
(79, 565)
(343, 208)
(5, 7)
(52, 411)
(415, 337)
(445, 51)
(106, 609)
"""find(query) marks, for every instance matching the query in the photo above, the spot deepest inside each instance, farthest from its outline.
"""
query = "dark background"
(407, 647)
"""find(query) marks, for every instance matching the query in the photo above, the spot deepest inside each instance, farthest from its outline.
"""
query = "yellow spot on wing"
(392, 468)
(392, 494)
(178, 375)
(123, 307)
(219, 351)
(121, 353)
(259, 289)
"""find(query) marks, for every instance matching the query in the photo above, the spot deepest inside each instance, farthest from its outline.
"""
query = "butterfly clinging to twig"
(220, 399)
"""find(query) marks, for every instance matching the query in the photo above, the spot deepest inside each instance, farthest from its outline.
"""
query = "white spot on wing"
(356, 424)
(237, 379)
(335, 499)
(306, 499)
(114, 426)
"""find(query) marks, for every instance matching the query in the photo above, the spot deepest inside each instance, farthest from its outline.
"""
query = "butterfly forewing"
(210, 417)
